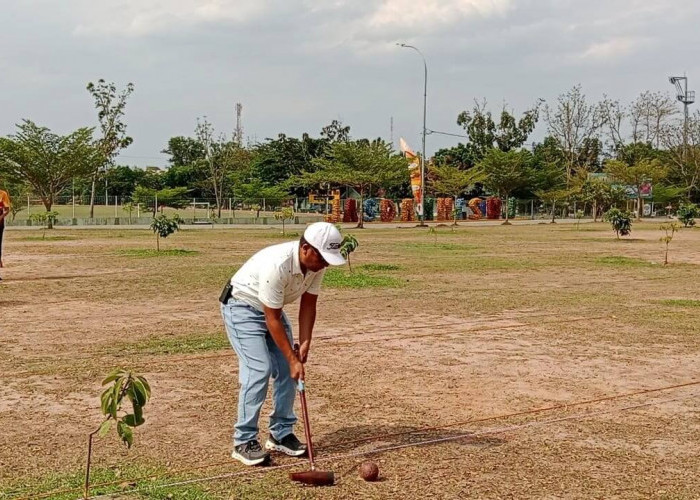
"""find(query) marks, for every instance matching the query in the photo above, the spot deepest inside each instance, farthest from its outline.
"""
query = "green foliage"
(286, 213)
(184, 151)
(124, 384)
(669, 229)
(450, 181)
(637, 174)
(255, 191)
(348, 246)
(357, 164)
(171, 197)
(46, 161)
(503, 172)
(45, 219)
(687, 212)
(485, 134)
(163, 226)
(621, 221)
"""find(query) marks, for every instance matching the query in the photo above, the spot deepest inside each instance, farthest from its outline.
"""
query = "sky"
(296, 65)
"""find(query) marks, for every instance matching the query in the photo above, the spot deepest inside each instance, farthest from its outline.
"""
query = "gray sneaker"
(288, 445)
(250, 453)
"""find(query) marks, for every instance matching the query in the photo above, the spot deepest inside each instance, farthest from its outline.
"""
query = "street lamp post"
(422, 160)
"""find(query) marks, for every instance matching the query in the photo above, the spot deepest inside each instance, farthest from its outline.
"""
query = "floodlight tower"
(687, 97)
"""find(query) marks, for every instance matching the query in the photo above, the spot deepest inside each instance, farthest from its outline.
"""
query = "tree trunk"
(595, 211)
(641, 203)
(92, 196)
(506, 222)
(48, 203)
(554, 213)
(361, 219)
(454, 212)
(157, 243)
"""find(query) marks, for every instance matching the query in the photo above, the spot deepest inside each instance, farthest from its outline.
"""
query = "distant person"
(261, 334)
(4, 210)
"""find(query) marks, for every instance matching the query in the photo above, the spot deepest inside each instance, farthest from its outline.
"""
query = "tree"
(110, 113)
(222, 158)
(649, 114)
(669, 229)
(683, 150)
(163, 226)
(255, 191)
(47, 161)
(184, 151)
(287, 213)
(122, 180)
(485, 134)
(348, 246)
(596, 191)
(687, 213)
(636, 175)
(336, 132)
(450, 181)
(503, 172)
(621, 221)
(358, 164)
(277, 160)
(571, 123)
(124, 384)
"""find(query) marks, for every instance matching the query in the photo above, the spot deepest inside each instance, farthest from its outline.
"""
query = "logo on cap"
(333, 246)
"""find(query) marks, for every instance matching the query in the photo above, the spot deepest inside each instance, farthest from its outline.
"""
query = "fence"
(122, 210)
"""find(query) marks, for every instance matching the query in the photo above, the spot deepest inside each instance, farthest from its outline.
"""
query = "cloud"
(433, 13)
(145, 17)
(612, 49)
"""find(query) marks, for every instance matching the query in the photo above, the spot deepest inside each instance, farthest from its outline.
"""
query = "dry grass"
(427, 331)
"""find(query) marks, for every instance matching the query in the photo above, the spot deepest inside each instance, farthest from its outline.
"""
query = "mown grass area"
(681, 302)
(186, 344)
(150, 252)
(342, 278)
(139, 481)
(621, 261)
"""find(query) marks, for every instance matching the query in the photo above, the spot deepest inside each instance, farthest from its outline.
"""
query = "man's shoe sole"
(246, 461)
(270, 446)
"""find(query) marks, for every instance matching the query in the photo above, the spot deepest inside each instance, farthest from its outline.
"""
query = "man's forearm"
(307, 319)
(279, 335)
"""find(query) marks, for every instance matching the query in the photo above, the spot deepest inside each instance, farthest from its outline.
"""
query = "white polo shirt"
(273, 277)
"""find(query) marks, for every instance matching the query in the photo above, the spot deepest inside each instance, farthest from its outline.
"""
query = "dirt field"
(427, 349)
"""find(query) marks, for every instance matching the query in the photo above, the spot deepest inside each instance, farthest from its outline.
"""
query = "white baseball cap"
(326, 238)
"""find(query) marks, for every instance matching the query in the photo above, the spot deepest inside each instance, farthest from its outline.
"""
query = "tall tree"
(503, 172)
(336, 132)
(221, 158)
(571, 123)
(450, 181)
(47, 161)
(110, 107)
(184, 151)
(683, 150)
(358, 164)
(508, 134)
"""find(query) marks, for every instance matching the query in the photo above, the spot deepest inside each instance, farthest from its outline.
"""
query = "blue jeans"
(259, 358)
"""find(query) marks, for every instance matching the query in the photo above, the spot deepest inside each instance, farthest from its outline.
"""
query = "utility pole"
(238, 134)
(687, 97)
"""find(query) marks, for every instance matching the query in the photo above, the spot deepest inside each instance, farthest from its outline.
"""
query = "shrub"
(621, 221)
(687, 213)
